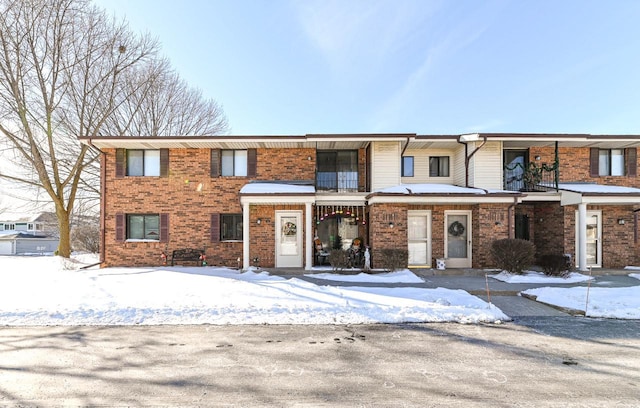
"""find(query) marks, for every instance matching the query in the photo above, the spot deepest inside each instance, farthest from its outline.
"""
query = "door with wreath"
(457, 239)
(289, 252)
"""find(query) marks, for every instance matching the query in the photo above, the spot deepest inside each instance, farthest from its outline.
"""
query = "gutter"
(103, 199)
(467, 157)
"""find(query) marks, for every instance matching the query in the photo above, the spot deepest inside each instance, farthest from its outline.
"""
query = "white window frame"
(234, 163)
(150, 163)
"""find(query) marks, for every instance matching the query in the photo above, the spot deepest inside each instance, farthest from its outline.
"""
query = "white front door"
(457, 243)
(419, 238)
(289, 252)
(594, 239)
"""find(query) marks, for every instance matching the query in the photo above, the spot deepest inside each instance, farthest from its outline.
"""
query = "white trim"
(277, 199)
(246, 261)
(427, 214)
(582, 214)
(296, 262)
(308, 237)
(463, 262)
(442, 199)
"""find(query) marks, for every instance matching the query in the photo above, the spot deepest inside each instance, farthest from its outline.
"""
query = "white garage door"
(6, 247)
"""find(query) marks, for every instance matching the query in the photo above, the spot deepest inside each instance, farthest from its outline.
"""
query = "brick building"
(266, 200)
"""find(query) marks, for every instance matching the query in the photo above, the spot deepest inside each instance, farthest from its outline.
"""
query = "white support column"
(245, 236)
(581, 245)
(308, 237)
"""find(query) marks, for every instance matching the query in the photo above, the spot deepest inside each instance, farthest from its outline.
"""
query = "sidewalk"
(480, 283)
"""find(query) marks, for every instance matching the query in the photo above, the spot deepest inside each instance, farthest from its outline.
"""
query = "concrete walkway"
(479, 283)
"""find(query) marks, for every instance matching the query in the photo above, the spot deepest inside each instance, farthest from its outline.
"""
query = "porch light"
(620, 221)
(259, 221)
(391, 224)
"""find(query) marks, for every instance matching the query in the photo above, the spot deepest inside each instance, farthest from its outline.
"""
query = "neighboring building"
(28, 234)
(264, 199)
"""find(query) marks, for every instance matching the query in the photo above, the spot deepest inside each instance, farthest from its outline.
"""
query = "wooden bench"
(187, 255)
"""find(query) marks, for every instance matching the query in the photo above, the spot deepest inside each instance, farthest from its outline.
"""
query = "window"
(611, 162)
(407, 166)
(143, 162)
(231, 227)
(234, 163)
(439, 166)
(337, 170)
(143, 226)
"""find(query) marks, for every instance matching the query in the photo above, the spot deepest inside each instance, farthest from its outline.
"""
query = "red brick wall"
(189, 195)
(262, 238)
(575, 166)
(490, 222)
(619, 248)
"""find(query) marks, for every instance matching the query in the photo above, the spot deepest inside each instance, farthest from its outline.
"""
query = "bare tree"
(67, 70)
(61, 64)
(165, 105)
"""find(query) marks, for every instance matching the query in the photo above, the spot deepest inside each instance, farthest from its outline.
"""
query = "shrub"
(392, 259)
(86, 237)
(554, 265)
(513, 255)
(338, 259)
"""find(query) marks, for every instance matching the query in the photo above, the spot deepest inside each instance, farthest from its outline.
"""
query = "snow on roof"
(439, 189)
(276, 188)
(589, 188)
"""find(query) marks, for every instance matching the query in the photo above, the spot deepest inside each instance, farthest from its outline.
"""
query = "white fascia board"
(346, 199)
(535, 197)
(577, 198)
(442, 199)
(277, 199)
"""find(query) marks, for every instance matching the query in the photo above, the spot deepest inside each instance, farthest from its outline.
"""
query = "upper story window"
(439, 166)
(337, 170)
(407, 166)
(142, 162)
(234, 163)
(613, 162)
(143, 226)
(238, 163)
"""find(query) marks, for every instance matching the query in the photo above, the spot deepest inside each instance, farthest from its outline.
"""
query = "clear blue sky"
(427, 67)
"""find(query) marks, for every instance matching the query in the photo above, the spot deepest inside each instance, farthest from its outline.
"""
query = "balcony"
(531, 177)
(346, 181)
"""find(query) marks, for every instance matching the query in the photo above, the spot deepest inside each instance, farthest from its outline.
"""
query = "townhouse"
(281, 201)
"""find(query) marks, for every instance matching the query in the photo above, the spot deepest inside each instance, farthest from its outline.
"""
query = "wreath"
(456, 229)
(289, 229)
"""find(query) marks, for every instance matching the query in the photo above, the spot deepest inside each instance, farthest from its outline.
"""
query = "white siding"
(421, 166)
(458, 167)
(485, 167)
(385, 165)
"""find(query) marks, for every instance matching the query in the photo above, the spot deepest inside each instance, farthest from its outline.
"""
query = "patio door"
(419, 238)
(594, 239)
(457, 234)
(289, 251)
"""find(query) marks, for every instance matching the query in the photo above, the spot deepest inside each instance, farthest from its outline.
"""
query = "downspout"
(404, 149)
(467, 157)
(510, 216)
(103, 199)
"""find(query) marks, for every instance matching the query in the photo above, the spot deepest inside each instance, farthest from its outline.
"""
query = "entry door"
(594, 239)
(289, 252)
(419, 238)
(457, 239)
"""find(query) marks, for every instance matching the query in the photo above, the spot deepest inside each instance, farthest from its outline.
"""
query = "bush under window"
(513, 255)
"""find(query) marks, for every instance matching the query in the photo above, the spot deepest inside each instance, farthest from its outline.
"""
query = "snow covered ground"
(51, 291)
(47, 290)
(619, 303)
